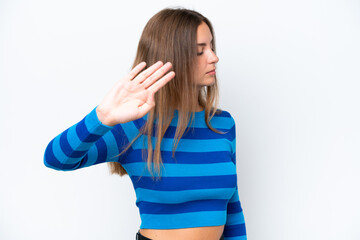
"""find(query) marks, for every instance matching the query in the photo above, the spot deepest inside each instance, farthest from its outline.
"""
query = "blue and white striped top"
(198, 188)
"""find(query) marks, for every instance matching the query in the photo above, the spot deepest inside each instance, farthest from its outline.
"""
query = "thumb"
(147, 106)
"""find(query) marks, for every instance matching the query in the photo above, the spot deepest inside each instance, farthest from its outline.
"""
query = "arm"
(86, 143)
(235, 223)
(98, 137)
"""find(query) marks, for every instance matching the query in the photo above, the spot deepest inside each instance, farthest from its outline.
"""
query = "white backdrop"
(289, 75)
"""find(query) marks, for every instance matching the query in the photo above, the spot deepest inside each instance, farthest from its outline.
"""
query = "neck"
(199, 108)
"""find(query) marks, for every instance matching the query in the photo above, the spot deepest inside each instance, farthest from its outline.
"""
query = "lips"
(211, 71)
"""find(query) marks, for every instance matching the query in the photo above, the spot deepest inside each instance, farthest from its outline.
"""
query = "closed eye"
(203, 45)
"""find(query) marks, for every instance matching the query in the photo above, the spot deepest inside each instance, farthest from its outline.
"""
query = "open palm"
(133, 96)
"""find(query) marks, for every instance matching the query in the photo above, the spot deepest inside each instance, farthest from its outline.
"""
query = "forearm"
(77, 144)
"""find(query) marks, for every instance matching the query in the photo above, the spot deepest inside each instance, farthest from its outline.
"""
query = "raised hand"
(133, 96)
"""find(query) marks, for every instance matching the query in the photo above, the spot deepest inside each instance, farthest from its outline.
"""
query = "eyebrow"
(204, 44)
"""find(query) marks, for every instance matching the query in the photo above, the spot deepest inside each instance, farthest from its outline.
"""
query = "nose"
(212, 57)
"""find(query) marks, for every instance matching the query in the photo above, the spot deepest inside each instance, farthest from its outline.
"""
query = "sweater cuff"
(94, 125)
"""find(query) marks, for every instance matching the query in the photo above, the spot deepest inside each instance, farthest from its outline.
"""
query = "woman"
(154, 123)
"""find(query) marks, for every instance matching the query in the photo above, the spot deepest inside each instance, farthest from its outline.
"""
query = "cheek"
(198, 68)
(201, 65)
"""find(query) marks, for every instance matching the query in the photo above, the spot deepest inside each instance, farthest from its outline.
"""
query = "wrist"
(103, 117)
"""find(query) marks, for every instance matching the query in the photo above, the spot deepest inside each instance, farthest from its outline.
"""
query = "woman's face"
(206, 58)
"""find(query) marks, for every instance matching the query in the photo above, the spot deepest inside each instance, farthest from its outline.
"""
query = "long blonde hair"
(171, 36)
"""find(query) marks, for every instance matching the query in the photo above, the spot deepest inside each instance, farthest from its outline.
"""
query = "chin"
(209, 83)
(206, 82)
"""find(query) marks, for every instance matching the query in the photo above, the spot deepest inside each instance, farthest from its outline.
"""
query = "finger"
(156, 75)
(136, 70)
(146, 73)
(161, 82)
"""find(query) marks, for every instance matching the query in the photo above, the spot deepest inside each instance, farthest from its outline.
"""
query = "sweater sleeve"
(235, 222)
(86, 143)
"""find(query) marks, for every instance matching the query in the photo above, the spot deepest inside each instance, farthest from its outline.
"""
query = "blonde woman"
(160, 125)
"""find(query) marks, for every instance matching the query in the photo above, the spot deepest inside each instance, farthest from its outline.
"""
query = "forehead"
(203, 33)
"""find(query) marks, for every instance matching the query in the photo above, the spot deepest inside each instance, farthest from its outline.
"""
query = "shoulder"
(223, 113)
(225, 117)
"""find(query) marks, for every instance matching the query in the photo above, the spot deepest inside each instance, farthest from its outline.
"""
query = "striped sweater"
(197, 188)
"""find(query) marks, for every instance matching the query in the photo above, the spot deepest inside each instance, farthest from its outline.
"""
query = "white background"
(289, 75)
